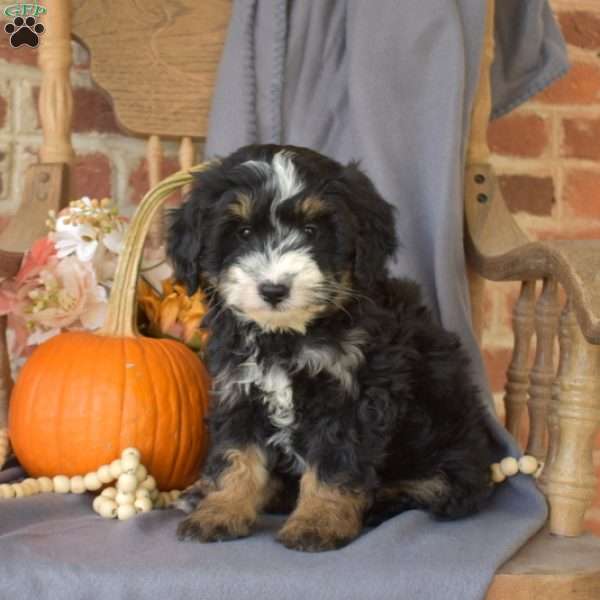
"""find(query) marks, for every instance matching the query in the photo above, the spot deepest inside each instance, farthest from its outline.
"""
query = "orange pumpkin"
(82, 397)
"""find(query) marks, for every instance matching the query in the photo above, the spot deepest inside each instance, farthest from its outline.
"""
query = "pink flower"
(69, 294)
(35, 260)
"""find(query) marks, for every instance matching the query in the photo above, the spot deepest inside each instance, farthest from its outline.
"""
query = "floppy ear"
(184, 244)
(189, 227)
(376, 235)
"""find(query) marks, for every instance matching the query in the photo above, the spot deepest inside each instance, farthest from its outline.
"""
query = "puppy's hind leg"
(231, 508)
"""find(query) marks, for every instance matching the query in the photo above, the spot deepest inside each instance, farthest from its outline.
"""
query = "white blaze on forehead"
(282, 175)
(286, 177)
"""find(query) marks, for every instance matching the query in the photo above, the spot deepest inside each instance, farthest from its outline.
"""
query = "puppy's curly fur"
(335, 391)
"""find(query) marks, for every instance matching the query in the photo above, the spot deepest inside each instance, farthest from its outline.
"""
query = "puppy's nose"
(273, 293)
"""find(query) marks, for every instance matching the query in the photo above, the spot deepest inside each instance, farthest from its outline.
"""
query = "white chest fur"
(275, 381)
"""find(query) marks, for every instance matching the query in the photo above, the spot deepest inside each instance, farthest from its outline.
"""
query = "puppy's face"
(273, 231)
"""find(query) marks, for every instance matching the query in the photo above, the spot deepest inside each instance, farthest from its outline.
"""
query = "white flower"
(80, 239)
(115, 239)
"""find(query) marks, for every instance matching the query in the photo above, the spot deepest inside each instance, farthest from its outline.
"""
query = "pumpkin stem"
(121, 319)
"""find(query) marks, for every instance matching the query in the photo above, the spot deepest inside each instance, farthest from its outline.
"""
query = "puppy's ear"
(189, 227)
(376, 235)
(184, 244)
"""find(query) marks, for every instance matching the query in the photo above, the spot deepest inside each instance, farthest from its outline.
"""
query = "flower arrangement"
(65, 279)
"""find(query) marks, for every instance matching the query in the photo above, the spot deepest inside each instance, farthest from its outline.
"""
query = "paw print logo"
(24, 32)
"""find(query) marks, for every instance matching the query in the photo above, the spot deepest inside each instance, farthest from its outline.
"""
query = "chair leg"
(571, 481)
(5, 387)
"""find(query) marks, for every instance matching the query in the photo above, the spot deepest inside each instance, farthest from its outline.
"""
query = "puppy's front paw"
(312, 535)
(210, 523)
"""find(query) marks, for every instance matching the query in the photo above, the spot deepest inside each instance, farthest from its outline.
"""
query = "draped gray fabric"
(390, 83)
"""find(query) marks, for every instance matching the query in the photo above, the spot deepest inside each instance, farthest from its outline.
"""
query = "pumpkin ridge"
(60, 435)
(193, 405)
(150, 373)
(177, 452)
(198, 431)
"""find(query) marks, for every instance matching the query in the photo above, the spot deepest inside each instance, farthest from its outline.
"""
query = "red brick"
(23, 55)
(92, 111)
(3, 111)
(91, 176)
(523, 135)
(581, 138)
(581, 85)
(582, 193)
(138, 179)
(581, 28)
(526, 193)
(496, 363)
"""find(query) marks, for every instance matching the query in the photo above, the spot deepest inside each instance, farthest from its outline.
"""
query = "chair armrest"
(497, 249)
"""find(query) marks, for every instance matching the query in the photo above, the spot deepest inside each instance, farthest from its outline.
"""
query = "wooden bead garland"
(509, 466)
(135, 491)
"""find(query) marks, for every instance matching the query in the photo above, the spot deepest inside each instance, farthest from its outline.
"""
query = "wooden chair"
(158, 67)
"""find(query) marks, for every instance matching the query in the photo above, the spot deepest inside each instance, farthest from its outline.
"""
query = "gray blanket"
(390, 83)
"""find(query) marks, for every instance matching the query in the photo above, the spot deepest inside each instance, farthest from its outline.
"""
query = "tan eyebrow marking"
(312, 207)
(241, 207)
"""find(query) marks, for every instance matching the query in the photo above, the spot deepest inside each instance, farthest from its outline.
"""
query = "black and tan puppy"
(332, 383)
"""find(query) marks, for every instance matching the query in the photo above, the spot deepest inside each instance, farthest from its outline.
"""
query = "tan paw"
(210, 523)
(313, 535)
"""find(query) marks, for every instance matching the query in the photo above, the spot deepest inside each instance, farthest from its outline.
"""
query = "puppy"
(334, 389)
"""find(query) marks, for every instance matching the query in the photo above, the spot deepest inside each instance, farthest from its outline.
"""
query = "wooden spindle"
(56, 96)
(517, 384)
(154, 159)
(571, 481)
(542, 374)
(567, 321)
(186, 158)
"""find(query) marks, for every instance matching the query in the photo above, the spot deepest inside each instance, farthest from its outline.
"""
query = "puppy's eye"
(310, 231)
(244, 232)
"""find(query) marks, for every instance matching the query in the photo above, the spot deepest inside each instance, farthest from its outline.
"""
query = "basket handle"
(121, 320)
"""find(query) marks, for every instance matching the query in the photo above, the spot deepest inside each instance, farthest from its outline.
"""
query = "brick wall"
(547, 155)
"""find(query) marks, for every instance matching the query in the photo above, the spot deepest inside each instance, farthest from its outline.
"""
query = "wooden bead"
(149, 483)
(61, 483)
(497, 474)
(143, 505)
(98, 500)
(92, 482)
(127, 482)
(131, 452)
(528, 464)
(104, 474)
(6, 491)
(141, 473)
(45, 484)
(115, 468)
(125, 498)
(174, 494)
(108, 508)
(125, 511)
(142, 493)
(109, 492)
(31, 486)
(129, 463)
(19, 490)
(509, 466)
(77, 484)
